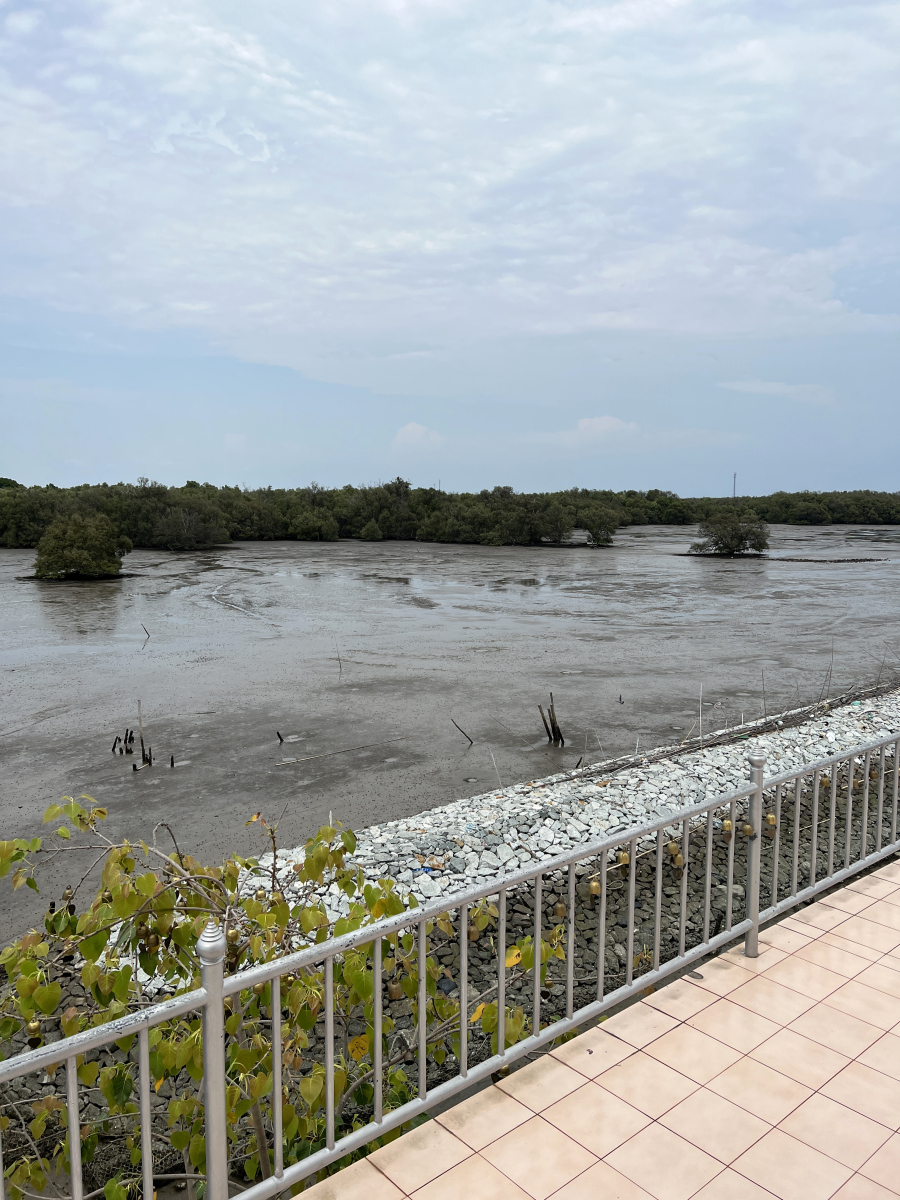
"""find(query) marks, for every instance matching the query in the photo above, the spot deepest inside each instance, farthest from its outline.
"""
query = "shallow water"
(352, 644)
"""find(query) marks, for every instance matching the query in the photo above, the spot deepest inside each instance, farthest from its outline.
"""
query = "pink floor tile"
(808, 1062)
(475, 1177)
(681, 999)
(663, 1164)
(848, 901)
(693, 1053)
(420, 1156)
(855, 948)
(715, 1125)
(484, 1117)
(807, 978)
(648, 1085)
(872, 885)
(790, 1169)
(884, 1056)
(868, 933)
(838, 1030)
(731, 1186)
(771, 1000)
(596, 1119)
(599, 1182)
(783, 938)
(860, 1188)
(538, 1157)
(639, 1024)
(541, 1083)
(826, 955)
(884, 1165)
(734, 1025)
(761, 1091)
(820, 915)
(840, 1132)
(868, 1092)
(593, 1052)
(359, 1181)
(866, 1003)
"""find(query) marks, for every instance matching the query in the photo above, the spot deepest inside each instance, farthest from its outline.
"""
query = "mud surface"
(353, 644)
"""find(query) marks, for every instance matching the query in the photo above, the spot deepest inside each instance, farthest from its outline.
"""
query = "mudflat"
(359, 654)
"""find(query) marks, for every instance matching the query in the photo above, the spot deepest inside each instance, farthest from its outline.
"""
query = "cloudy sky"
(631, 243)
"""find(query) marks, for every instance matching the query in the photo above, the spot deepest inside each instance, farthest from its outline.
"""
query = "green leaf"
(310, 1087)
(63, 832)
(47, 998)
(92, 947)
(181, 1138)
(197, 1151)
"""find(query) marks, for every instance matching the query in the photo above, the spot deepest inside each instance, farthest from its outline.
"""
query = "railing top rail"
(100, 1035)
(386, 926)
(823, 763)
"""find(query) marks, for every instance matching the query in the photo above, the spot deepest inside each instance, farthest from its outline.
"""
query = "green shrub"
(79, 546)
(730, 532)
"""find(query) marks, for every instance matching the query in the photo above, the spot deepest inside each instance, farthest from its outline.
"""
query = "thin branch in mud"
(167, 826)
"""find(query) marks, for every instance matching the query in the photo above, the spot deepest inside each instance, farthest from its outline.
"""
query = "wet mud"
(359, 654)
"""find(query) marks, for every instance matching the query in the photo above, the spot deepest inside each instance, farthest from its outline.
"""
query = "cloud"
(612, 434)
(414, 436)
(426, 173)
(803, 393)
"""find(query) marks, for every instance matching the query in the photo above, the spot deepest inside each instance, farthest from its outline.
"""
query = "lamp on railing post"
(211, 949)
(754, 818)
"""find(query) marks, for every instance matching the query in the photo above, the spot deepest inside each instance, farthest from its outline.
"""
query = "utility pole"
(734, 487)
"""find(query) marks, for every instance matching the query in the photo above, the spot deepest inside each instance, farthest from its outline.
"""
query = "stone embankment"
(474, 840)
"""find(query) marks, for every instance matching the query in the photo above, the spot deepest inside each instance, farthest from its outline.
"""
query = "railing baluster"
(423, 1011)
(707, 884)
(832, 818)
(894, 798)
(277, 1078)
(378, 1034)
(629, 936)
(501, 975)
(657, 903)
(795, 862)
(754, 846)
(776, 846)
(685, 854)
(211, 951)
(879, 837)
(848, 825)
(74, 1128)
(864, 824)
(329, 1052)
(146, 1115)
(601, 928)
(464, 990)
(814, 832)
(729, 882)
(538, 944)
(570, 947)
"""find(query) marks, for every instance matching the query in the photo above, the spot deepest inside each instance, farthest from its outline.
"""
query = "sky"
(635, 243)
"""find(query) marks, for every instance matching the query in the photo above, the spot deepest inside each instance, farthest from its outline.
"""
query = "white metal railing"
(869, 834)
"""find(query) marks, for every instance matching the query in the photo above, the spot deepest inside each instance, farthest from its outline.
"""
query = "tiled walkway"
(778, 1076)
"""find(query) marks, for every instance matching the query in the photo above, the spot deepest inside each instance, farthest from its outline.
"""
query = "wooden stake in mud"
(558, 739)
(141, 732)
(463, 732)
(546, 726)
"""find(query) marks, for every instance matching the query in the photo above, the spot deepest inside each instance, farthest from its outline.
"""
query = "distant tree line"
(151, 515)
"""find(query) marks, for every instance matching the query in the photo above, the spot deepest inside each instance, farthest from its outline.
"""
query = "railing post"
(211, 949)
(754, 817)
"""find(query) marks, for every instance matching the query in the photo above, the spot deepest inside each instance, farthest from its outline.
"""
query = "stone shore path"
(755, 1078)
